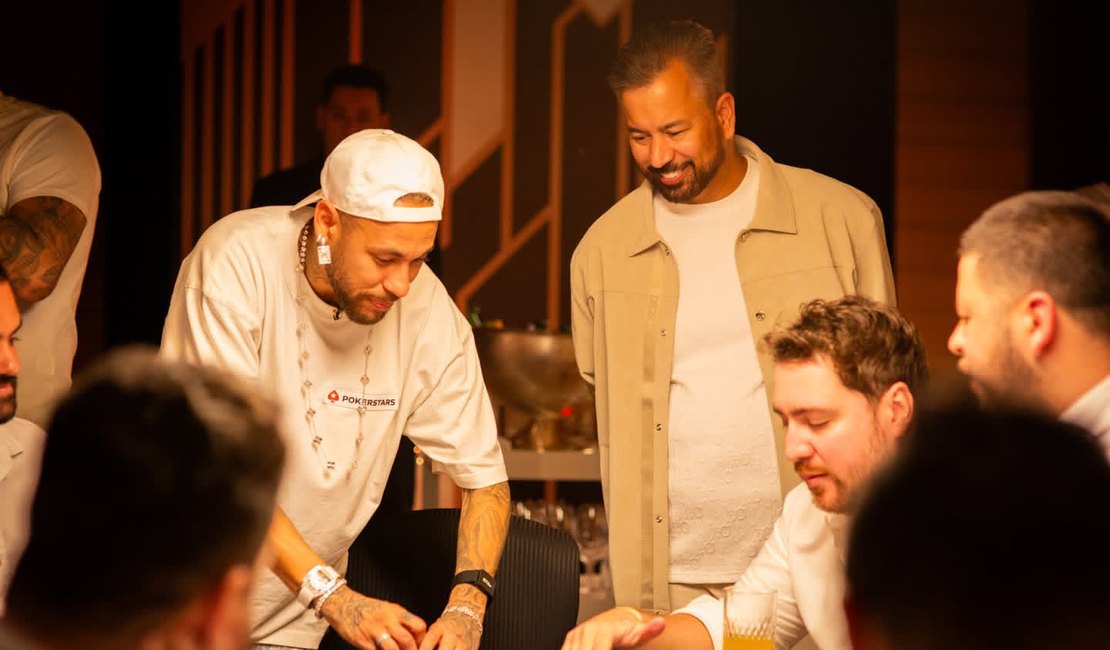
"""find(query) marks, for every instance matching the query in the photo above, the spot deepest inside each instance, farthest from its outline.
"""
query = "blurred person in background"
(49, 194)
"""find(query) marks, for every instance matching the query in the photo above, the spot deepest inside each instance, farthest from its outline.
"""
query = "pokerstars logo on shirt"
(369, 401)
(350, 399)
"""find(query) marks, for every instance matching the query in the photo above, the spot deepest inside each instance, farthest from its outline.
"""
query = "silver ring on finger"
(382, 638)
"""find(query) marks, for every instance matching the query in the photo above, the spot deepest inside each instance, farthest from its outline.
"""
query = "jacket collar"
(774, 206)
(9, 450)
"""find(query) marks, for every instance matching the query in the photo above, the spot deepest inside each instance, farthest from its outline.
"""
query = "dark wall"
(140, 200)
(1070, 98)
(408, 58)
(64, 67)
(121, 84)
(815, 87)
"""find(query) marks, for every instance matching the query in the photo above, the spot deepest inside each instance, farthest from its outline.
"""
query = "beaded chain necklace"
(326, 464)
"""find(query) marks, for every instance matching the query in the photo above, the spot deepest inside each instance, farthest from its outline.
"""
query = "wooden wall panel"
(529, 185)
(962, 142)
(962, 123)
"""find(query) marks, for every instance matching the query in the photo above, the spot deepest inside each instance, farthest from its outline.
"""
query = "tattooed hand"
(364, 622)
(483, 525)
(453, 631)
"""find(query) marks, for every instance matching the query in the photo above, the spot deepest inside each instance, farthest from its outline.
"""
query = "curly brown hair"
(871, 345)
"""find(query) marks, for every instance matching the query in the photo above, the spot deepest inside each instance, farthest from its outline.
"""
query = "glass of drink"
(749, 619)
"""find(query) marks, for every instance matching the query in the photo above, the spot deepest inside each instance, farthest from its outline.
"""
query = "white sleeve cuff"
(711, 613)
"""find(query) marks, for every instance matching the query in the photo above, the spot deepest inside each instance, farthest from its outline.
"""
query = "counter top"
(529, 465)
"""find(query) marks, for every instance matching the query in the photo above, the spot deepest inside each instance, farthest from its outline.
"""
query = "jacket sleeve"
(582, 316)
(874, 277)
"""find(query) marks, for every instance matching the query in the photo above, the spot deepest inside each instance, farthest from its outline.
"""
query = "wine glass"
(591, 531)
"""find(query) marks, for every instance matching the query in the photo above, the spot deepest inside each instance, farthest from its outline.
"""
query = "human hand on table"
(620, 627)
(372, 624)
(455, 630)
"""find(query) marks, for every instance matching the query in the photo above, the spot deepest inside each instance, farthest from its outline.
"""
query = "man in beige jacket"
(671, 288)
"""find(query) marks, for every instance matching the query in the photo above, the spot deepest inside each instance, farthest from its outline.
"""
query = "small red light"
(567, 412)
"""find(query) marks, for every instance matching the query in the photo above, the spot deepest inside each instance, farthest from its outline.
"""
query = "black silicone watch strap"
(477, 577)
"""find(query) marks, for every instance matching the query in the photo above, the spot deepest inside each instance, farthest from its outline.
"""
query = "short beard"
(1018, 387)
(688, 191)
(344, 297)
(8, 404)
(853, 486)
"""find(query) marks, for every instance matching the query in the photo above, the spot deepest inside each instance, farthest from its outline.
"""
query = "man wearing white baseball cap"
(332, 310)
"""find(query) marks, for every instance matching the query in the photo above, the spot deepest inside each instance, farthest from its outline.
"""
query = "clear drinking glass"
(592, 534)
(749, 619)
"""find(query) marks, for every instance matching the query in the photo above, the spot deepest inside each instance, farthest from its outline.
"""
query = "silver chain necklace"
(326, 464)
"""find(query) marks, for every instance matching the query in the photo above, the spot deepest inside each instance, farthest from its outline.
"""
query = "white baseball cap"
(369, 170)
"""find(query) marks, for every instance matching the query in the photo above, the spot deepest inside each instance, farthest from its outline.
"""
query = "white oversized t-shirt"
(46, 153)
(723, 476)
(235, 305)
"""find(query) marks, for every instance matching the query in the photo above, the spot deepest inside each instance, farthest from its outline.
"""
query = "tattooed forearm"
(482, 528)
(37, 238)
(345, 605)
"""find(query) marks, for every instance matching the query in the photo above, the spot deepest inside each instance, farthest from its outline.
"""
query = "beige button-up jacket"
(811, 237)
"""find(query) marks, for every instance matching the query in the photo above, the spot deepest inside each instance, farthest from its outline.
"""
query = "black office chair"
(409, 558)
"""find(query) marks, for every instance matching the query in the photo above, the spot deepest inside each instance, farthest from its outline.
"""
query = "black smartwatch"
(477, 577)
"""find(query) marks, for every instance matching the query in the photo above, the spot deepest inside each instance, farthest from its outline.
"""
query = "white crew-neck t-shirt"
(44, 152)
(724, 485)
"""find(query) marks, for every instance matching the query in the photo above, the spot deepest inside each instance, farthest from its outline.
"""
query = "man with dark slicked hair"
(671, 289)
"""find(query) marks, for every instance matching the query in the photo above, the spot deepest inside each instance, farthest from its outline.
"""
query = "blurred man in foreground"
(988, 532)
(157, 488)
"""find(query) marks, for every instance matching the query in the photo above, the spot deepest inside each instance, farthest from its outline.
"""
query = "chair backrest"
(409, 558)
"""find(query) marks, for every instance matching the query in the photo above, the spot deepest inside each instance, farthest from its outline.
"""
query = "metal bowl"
(535, 372)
